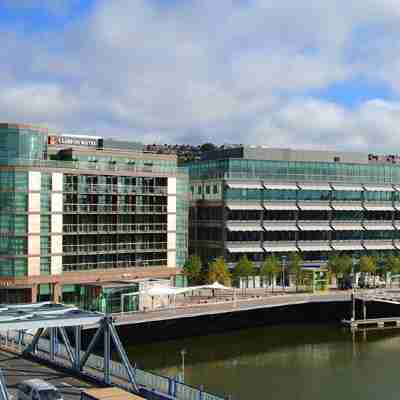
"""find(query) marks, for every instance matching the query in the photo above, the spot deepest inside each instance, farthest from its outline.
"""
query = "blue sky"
(311, 74)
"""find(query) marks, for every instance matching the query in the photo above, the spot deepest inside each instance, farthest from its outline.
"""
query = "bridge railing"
(149, 380)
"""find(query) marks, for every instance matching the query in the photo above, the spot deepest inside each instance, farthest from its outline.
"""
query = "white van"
(37, 389)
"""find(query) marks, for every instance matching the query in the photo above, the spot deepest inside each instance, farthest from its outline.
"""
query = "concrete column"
(34, 293)
(56, 292)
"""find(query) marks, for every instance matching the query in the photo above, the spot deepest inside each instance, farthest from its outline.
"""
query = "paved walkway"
(230, 306)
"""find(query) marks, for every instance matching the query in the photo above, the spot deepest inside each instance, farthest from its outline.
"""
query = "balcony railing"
(108, 188)
(119, 208)
(114, 228)
(116, 264)
(112, 247)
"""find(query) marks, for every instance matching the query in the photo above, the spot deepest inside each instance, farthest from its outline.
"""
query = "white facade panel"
(57, 182)
(378, 226)
(35, 181)
(304, 226)
(171, 222)
(244, 249)
(281, 186)
(319, 246)
(378, 207)
(315, 186)
(272, 247)
(33, 266)
(378, 245)
(57, 202)
(56, 244)
(342, 245)
(347, 206)
(280, 205)
(377, 188)
(56, 223)
(280, 226)
(171, 241)
(34, 245)
(244, 227)
(244, 206)
(171, 206)
(347, 226)
(171, 259)
(245, 185)
(171, 185)
(34, 202)
(56, 265)
(350, 187)
(34, 223)
(309, 205)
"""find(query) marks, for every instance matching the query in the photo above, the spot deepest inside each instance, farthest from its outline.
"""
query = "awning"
(350, 245)
(379, 226)
(324, 206)
(244, 227)
(314, 227)
(281, 186)
(349, 206)
(280, 226)
(374, 245)
(314, 247)
(315, 186)
(280, 248)
(379, 207)
(280, 205)
(244, 206)
(350, 187)
(377, 188)
(343, 226)
(245, 185)
(244, 249)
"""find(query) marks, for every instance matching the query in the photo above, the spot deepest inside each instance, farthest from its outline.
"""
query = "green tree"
(270, 269)
(390, 264)
(218, 272)
(207, 147)
(368, 265)
(243, 268)
(296, 268)
(339, 265)
(192, 269)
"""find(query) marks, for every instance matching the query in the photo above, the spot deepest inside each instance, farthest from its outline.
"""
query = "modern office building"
(257, 201)
(85, 209)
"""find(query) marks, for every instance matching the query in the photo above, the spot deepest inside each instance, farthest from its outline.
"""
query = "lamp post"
(183, 353)
(353, 286)
(284, 260)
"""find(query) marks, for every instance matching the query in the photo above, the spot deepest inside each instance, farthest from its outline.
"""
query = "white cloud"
(227, 71)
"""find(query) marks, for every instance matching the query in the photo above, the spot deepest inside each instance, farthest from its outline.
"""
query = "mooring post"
(364, 309)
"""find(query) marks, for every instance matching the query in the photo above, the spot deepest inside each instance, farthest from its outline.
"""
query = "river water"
(298, 362)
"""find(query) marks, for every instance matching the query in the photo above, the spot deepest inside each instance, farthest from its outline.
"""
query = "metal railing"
(109, 188)
(120, 247)
(114, 264)
(124, 208)
(148, 380)
(113, 228)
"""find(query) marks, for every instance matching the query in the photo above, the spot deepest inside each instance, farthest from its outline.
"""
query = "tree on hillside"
(243, 268)
(218, 272)
(192, 269)
(270, 269)
(207, 147)
(296, 268)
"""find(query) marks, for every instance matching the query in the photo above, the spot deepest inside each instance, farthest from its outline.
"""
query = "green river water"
(283, 362)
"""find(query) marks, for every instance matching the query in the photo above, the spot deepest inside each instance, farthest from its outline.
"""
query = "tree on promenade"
(368, 265)
(390, 264)
(270, 269)
(218, 272)
(296, 269)
(192, 270)
(340, 265)
(244, 268)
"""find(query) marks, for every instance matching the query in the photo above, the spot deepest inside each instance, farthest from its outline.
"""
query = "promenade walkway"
(212, 307)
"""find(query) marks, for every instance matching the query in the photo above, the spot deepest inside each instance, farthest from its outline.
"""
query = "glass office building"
(83, 209)
(258, 201)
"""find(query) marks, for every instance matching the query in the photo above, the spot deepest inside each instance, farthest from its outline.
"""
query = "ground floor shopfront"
(67, 287)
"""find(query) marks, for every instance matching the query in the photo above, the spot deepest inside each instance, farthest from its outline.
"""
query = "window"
(215, 189)
(207, 189)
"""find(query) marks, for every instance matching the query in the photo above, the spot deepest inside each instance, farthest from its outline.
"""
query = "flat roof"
(44, 315)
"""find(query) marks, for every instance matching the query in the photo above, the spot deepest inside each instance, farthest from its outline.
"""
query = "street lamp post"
(284, 259)
(183, 353)
(353, 286)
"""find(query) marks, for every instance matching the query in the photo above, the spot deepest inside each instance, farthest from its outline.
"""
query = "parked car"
(37, 389)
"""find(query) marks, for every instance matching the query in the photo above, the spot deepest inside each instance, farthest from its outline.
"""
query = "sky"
(301, 74)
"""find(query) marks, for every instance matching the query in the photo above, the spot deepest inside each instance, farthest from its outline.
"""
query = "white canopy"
(172, 291)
